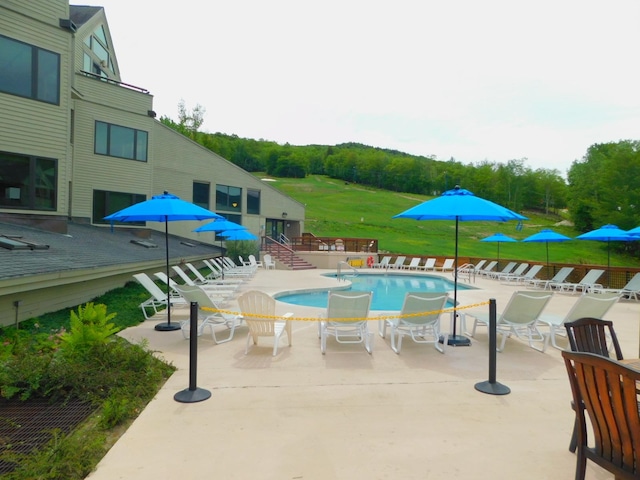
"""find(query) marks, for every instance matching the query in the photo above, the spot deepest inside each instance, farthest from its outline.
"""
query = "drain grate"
(27, 426)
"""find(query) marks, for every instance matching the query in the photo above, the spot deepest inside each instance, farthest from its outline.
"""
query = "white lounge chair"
(220, 297)
(414, 264)
(423, 328)
(588, 283)
(519, 317)
(630, 290)
(559, 277)
(508, 268)
(398, 263)
(207, 314)
(429, 264)
(384, 263)
(215, 277)
(519, 271)
(158, 298)
(530, 275)
(591, 305)
(488, 269)
(447, 265)
(341, 307)
(225, 291)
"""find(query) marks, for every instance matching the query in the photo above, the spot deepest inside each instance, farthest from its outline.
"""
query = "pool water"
(388, 290)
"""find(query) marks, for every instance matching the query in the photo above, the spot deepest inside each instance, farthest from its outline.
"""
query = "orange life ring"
(369, 262)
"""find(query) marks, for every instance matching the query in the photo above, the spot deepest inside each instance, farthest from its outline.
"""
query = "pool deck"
(349, 415)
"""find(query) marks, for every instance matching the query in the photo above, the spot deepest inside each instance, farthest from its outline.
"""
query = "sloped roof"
(86, 246)
(79, 14)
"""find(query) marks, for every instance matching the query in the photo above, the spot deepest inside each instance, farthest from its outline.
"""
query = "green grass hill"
(341, 209)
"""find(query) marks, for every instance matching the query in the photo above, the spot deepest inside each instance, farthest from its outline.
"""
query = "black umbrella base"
(457, 341)
(492, 388)
(167, 327)
(192, 396)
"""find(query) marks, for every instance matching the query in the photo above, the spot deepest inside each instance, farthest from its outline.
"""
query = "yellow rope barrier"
(346, 319)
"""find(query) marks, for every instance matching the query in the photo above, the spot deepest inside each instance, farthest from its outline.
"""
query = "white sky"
(475, 80)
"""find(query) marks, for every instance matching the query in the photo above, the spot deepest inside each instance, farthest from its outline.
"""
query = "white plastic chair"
(342, 306)
(269, 264)
(591, 305)
(207, 316)
(519, 317)
(447, 266)
(158, 298)
(429, 264)
(588, 283)
(258, 311)
(419, 319)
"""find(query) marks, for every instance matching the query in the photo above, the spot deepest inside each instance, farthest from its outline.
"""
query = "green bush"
(241, 248)
(89, 327)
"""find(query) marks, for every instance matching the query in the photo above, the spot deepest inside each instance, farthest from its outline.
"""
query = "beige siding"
(178, 162)
(100, 172)
(28, 126)
(45, 11)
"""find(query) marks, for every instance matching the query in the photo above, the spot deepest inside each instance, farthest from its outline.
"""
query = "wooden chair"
(591, 335)
(607, 390)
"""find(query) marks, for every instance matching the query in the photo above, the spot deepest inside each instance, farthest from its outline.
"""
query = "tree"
(191, 121)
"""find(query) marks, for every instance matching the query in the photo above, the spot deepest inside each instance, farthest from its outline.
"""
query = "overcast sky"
(474, 80)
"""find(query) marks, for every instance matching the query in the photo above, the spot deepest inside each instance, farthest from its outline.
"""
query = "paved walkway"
(348, 415)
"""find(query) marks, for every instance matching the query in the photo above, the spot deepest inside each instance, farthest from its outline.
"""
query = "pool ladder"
(354, 271)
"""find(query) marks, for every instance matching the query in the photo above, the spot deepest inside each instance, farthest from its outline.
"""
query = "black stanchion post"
(491, 386)
(193, 394)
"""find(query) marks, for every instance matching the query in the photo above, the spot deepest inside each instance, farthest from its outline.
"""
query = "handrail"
(348, 265)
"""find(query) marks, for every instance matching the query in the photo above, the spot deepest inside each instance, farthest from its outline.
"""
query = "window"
(105, 203)
(28, 182)
(201, 194)
(98, 45)
(123, 142)
(253, 201)
(228, 198)
(29, 71)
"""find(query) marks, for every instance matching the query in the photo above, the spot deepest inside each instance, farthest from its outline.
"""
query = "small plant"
(115, 410)
(89, 327)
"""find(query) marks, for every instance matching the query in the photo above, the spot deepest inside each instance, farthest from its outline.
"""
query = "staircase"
(287, 258)
(293, 262)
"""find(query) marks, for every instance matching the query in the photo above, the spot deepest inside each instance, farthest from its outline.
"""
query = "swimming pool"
(388, 290)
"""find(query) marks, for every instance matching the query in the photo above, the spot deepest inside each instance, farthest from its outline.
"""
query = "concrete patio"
(349, 415)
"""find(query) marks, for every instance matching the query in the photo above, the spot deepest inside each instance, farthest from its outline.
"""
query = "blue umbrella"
(163, 208)
(607, 233)
(238, 235)
(635, 232)
(547, 235)
(218, 226)
(498, 238)
(460, 205)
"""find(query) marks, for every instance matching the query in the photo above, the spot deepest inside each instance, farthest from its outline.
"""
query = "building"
(78, 143)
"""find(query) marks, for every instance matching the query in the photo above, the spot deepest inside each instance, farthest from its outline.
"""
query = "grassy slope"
(334, 208)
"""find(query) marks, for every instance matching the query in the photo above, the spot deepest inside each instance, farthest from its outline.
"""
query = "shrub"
(89, 327)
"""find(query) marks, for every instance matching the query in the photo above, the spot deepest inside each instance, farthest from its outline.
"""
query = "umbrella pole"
(608, 263)
(548, 269)
(167, 327)
(457, 340)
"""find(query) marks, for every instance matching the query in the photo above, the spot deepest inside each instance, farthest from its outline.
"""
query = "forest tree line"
(601, 188)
